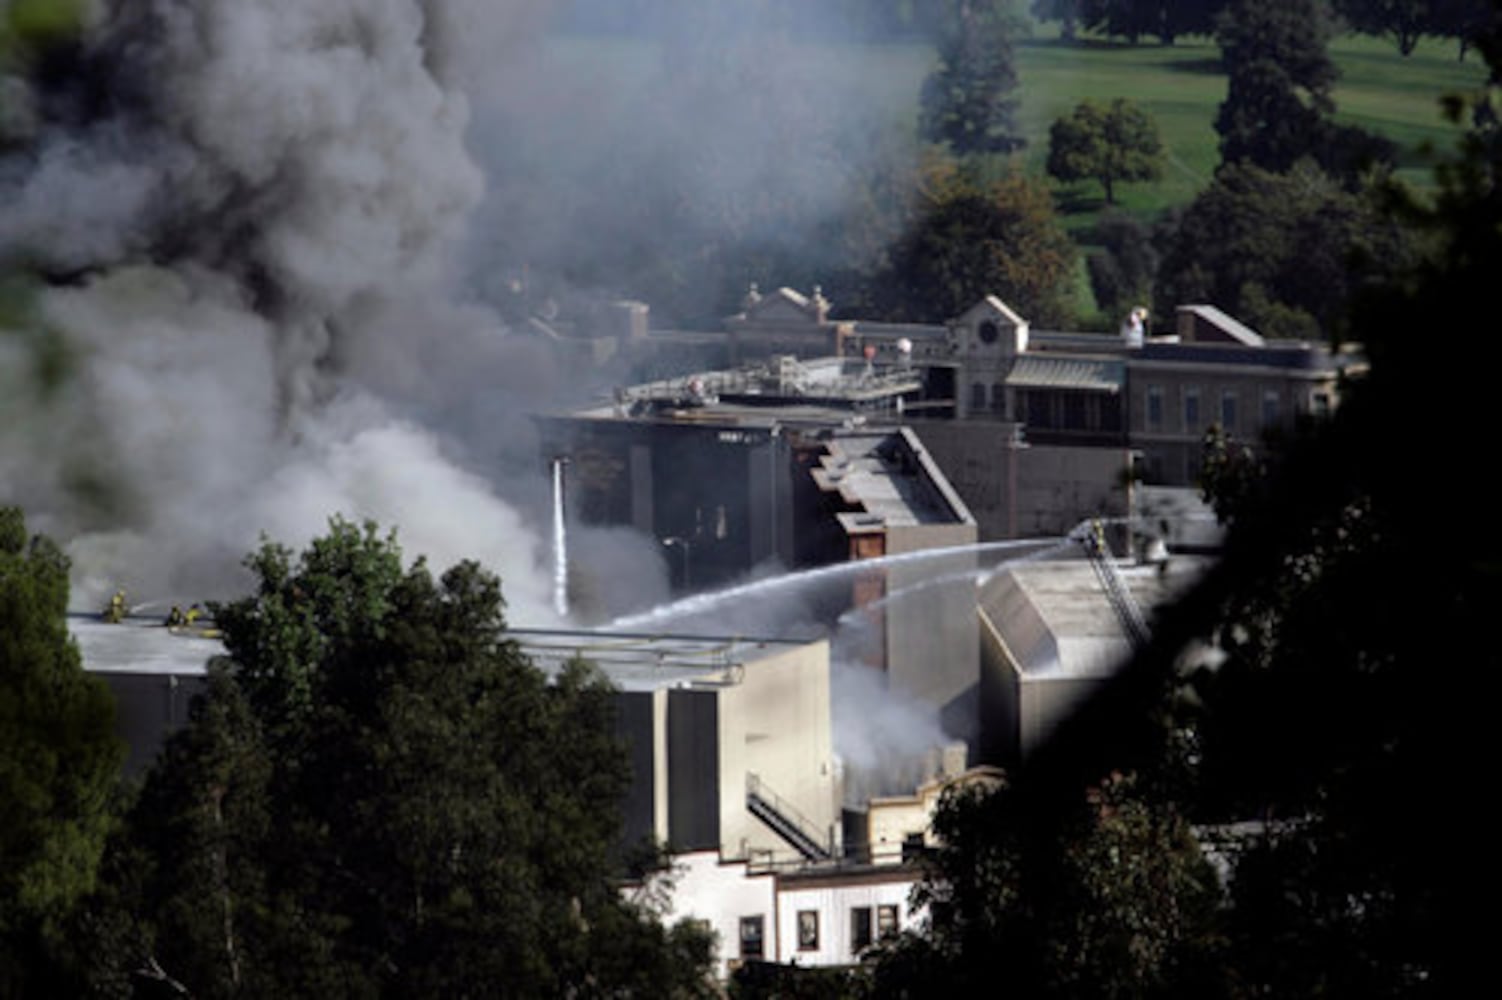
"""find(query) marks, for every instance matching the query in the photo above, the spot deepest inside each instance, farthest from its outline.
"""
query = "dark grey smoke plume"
(279, 283)
(246, 213)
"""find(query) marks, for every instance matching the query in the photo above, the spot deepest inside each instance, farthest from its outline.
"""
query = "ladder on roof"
(1092, 538)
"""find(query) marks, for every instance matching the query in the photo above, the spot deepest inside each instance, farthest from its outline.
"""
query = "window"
(860, 929)
(1038, 410)
(978, 397)
(988, 332)
(1154, 407)
(752, 936)
(1321, 404)
(808, 930)
(1269, 408)
(1191, 409)
(1110, 414)
(1228, 411)
(999, 397)
(886, 921)
(1074, 411)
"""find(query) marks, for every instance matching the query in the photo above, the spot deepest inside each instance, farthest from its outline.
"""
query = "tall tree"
(1280, 77)
(1116, 901)
(379, 794)
(1122, 273)
(973, 238)
(1405, 20)
(968, 100)
(59, 757)
(1285, 252)
(1118, 142)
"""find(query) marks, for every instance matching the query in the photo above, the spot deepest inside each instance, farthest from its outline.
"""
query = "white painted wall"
(776, 724)
(722, 893)
(833, 901)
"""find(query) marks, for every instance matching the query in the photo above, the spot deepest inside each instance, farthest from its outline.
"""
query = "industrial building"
(826, 913)
(1035, 430)
(779, 466)
(1051, 636)
(729, 740)
(153, 674)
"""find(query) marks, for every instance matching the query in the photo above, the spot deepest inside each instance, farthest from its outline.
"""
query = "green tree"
(968, 100)
(1122, 273)
(1287, 253)
(1405, 20)
(380, 795)
(59, 758)
(1280, 77)
(974, 238)
(1118, 142)
(1116, 900)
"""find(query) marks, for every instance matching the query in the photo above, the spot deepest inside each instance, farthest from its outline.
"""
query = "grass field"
(1180, 85)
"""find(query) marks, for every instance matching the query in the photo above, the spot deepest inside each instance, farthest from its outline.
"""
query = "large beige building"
(729, 740)
(1051, 637)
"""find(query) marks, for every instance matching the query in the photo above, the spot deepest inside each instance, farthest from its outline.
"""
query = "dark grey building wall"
(693, 770)
(148, 709)
(633, 723)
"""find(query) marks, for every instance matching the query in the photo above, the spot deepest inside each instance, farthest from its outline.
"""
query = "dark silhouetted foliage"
(59, 759)
(379, 795)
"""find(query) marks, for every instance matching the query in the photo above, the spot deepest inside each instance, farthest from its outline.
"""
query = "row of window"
(1194, 415)
(753, 930)
(1053, 410)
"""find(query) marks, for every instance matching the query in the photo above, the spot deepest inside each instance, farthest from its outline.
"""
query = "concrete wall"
(148, 709)
(1060, 486)
(977, 459)
(930, 629)
(776, 724)
(1000, 699)
(1019, 490)
(1047, 701)
(1019, 713)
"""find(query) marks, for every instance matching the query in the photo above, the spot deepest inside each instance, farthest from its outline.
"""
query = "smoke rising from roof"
(256, 224)
(276, 243)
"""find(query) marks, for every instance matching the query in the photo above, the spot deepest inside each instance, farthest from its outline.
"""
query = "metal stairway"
(767, 806)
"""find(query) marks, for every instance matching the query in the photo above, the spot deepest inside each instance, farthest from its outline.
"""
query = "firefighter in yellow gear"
(114, 613)
(176, 618)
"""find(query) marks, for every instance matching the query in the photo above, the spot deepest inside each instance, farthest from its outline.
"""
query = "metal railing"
(784, 818)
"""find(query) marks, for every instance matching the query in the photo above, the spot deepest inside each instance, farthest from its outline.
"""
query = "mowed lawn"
(1181, 85)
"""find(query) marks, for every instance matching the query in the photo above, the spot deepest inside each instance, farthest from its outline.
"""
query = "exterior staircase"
(785, 820)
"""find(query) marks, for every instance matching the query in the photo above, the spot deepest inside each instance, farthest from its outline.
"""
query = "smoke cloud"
(284, 252)
(247, 216)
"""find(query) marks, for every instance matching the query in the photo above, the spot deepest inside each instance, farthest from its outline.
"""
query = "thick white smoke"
(258, 328)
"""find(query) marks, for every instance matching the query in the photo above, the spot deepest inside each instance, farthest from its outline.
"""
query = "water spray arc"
(700, 603)
(560, 541)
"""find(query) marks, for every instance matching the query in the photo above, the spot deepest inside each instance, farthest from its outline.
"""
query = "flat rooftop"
(637, 662)
(632, 662)
(818, 391)
(884, 475)
(140, 645)
(1057, 621)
